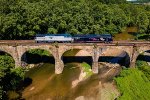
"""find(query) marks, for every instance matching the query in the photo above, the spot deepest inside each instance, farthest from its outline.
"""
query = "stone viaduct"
(57, 50)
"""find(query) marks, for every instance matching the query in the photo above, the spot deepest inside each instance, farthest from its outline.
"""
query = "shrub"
(144, 67)
(87, 69)
(133, 85)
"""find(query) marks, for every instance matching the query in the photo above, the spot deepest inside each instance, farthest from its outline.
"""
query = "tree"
(9, 77)
(22, 19)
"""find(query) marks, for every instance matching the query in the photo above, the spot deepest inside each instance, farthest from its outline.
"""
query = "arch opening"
(77, 56)
(36, 56)
(115, 56)
(6, 59)
(143, 58)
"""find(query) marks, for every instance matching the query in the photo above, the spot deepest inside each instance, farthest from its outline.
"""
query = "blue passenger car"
(92, 38)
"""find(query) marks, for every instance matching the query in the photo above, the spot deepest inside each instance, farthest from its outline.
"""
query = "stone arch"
(23, 54)
(62, 50)
(79, 53)
(59, 65)
(144, 56)
(115, 55)
(7, 53)
(137, 51)
(142, 49)
(7, 50)
(27, 48)
(127, 49)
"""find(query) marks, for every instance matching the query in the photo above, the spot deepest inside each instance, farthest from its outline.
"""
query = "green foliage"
(18, 76)
(137, 16)
(133, 85)
(39, 55)
(9, 77)
(1, 92)
(39, 52)
(22, 19)
(87, 69)
(144, 67)
(143, 36)
(7, 61)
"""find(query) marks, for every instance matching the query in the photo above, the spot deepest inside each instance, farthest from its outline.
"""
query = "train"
(68, 38)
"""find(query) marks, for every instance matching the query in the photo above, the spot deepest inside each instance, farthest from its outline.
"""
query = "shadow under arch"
(76, 56)
(8, 58)
(115, 56)
(35, 56)
(145, 56)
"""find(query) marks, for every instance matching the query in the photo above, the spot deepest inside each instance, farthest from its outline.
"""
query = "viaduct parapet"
(95, 50)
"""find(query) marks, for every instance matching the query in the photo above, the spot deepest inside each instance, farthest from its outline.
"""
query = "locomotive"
(48, 38)
(67, 38)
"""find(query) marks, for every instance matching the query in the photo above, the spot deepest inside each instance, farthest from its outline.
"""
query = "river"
(46, 85)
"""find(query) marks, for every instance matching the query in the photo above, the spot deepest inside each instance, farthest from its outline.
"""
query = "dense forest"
(22, 19)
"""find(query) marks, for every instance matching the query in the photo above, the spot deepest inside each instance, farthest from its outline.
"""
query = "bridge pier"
(59, 65)
(16, 57)
(135, 54)
(95, 60)
(95, 67)
(132, 64)
(17, 63)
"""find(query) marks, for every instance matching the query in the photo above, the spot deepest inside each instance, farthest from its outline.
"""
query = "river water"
(46, 85)
(43, 84)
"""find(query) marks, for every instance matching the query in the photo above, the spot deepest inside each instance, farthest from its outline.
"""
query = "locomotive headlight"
(102, 39)
(72, 40)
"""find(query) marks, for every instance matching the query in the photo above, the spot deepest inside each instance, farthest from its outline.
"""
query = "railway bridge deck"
(17, 48)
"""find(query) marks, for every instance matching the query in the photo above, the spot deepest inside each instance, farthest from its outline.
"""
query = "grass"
(133, 85)
(144, 67)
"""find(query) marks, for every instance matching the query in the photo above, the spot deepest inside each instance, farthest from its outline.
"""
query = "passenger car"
(93, 38)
